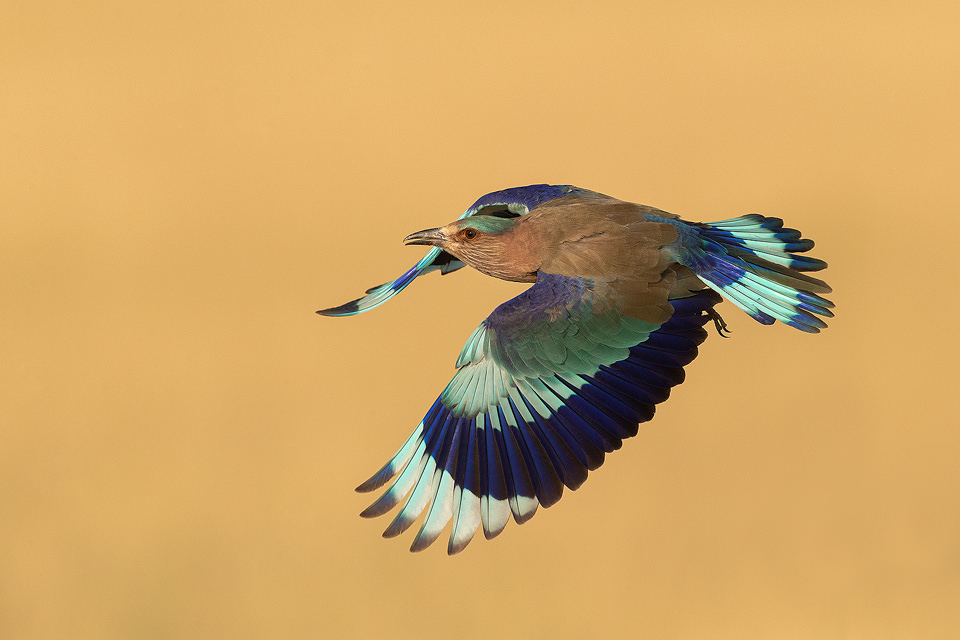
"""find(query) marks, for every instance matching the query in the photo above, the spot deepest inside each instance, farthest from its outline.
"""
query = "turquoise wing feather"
(496, 203)
(547, 385)
(435, 260)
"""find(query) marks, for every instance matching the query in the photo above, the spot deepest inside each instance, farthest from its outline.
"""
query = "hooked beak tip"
(431, 237)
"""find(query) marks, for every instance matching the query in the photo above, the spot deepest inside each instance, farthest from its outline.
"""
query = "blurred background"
(183, 184)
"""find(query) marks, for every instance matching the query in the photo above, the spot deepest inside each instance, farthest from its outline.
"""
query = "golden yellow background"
(183, 184)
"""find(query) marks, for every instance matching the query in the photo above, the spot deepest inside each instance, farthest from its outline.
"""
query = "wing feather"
(534, 406)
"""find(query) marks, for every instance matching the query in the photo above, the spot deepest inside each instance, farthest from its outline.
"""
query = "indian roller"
(560, 375)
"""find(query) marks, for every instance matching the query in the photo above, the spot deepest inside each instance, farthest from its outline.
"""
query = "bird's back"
(593, 235)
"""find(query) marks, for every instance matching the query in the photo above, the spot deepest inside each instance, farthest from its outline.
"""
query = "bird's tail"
(753, 261)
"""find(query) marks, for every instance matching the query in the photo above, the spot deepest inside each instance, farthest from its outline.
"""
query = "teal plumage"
(557, 377)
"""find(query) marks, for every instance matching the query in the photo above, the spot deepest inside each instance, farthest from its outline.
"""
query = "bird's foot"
(718, 322)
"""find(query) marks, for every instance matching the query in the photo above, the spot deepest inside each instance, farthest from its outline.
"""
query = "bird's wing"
(435, 260)
(546, 385)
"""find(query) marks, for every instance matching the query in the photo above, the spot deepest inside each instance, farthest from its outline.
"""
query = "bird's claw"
(718, 322)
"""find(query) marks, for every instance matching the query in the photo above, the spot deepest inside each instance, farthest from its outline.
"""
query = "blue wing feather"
(522, 199)
(545, 434)
(433, 261)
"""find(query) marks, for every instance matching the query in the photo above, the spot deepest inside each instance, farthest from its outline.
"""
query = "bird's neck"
(513, 257)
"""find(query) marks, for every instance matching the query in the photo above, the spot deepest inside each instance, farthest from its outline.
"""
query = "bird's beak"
(429, 237)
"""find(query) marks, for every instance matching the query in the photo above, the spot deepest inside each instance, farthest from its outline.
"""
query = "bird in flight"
(560, 375)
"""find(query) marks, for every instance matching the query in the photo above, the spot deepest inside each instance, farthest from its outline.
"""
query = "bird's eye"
(469, 234)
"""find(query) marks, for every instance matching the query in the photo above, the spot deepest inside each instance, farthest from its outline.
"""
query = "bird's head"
(482, 241)
(476, 234)
(492, 236)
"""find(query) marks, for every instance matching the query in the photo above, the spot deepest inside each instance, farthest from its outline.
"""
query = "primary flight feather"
(557, 377)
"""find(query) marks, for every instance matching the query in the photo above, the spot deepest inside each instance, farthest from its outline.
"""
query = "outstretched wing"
(547, 385)
(435, 260)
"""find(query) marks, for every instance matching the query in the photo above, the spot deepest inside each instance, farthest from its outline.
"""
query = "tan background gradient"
(183, 184)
